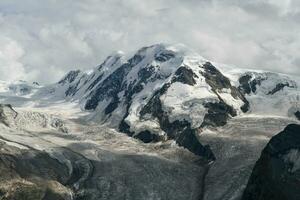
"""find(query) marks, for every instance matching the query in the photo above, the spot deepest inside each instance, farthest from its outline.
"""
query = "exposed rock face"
(279, 87)
(31, 175)
(70, 77)
(297, 114)
(185, 76)
(249, 84)
(218, 82)
(7, 114)
(109, 90)
(218, 114)
(276, 175)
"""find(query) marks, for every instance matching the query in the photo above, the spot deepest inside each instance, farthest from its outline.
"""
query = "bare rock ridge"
(276, 174)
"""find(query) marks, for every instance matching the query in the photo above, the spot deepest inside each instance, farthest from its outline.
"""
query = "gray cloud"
(42, 40)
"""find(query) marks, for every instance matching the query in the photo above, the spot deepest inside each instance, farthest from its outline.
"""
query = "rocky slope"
(237, 146)
(89, 162)
(276, 174)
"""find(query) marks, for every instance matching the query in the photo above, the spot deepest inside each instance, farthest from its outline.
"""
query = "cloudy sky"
(42, 39)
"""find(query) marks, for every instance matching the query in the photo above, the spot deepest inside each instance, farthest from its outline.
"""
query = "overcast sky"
(43, 39)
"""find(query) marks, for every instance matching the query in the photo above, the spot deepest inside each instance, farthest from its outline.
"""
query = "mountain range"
(217, 117)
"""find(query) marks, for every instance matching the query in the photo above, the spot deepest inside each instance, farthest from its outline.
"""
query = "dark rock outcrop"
(217, 81)
(218, 114)
(279, 87)
(7, 113)
(185, 76)
(276, 175)
(248, 84)
(109, 89)
(297, 114)
(70, 77)
(71, 91)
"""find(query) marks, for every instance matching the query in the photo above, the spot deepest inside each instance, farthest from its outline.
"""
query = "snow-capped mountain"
(162, 95)
(165, 92)
(169, 92)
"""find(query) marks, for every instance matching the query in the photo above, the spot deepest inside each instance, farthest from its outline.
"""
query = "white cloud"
(52, 37)
(10, 54)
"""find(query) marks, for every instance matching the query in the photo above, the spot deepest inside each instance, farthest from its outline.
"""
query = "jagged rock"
(248, 84)
(70, 77)
(110, 87)
(276, 174)
(147, 136)
(7, 114)
(185, 75)
(218, 82)
(278, 87)
(218, 114)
